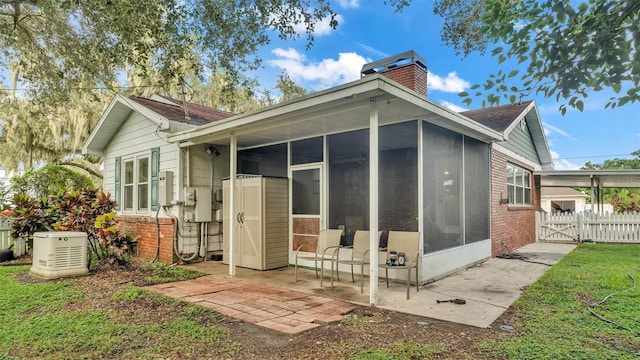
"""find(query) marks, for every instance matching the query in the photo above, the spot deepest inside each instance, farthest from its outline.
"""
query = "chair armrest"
(301, 246)
(335, 251)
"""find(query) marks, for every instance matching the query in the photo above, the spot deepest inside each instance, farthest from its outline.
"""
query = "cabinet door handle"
(242, 217)
(238, 218)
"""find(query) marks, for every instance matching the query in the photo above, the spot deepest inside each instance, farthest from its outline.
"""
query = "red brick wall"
(305, 231)
(411, 75)
(512, 225)
(145, 230)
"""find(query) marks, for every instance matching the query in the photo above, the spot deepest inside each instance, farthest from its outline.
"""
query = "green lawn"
(554, 321)
(56, 320)
(63, 319)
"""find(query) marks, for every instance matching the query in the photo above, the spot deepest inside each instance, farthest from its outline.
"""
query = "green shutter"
(117, 189)
(155, 170)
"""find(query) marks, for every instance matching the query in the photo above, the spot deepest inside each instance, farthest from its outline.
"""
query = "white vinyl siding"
(521, 143)
(135, 139)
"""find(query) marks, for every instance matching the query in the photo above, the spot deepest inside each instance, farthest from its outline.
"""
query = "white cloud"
(562, 164)
(549, 129)
(349, 4)
(452, 106)
(290, 53)
(322, 27)
(452, 83)
(370, 49)
(320, 75)
(331, 72)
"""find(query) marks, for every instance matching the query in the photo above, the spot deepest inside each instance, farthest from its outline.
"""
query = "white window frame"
(518, 184)
(136, 184)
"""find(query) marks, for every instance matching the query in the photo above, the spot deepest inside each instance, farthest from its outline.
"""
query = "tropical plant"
(621, 199)
(85, 211)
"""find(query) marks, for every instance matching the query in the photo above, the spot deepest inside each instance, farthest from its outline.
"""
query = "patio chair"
(359, 256)
(407, 242)
(325, 250)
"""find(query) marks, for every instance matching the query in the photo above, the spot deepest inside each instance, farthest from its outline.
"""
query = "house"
(563, 199)
(374, 153)
(131, 138)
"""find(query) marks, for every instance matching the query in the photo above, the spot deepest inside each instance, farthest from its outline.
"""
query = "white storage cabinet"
(261, 222)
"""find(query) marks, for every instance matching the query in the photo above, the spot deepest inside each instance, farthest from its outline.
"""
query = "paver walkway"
(279, 309)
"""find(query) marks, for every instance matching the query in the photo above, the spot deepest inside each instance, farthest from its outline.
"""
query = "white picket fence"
(608, 227)
(19, 246)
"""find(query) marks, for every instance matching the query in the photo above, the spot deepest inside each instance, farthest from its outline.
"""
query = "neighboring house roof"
(504, 120)
(160, 110)
(561, 192)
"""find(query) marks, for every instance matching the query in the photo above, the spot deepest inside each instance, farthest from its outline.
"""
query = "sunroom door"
(306, 204)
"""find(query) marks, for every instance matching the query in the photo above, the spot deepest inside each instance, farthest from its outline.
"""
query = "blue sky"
(369, 31)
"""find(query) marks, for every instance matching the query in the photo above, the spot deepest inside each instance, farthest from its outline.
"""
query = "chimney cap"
(391, 61)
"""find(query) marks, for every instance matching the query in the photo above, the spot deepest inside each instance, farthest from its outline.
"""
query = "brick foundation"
(145, 230)
(513, 225)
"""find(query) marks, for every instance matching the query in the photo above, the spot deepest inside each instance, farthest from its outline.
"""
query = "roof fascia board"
(352, 91)
(513, 155)
(519, 118)
(155, 118)
(461, 121)
(302, 116)
(540, 139)
(86, 147)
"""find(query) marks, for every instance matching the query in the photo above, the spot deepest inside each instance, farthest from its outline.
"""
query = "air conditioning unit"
(59, 254)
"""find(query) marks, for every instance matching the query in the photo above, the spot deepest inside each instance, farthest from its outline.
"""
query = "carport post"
(373, 202)
(592, 194)
(233, 162)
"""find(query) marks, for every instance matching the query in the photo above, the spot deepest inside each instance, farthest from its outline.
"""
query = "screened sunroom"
(369, 155)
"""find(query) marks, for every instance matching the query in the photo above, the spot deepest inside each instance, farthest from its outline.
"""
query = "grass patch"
(554, 322)
(401, 351)
(55, 320)
(159, 273)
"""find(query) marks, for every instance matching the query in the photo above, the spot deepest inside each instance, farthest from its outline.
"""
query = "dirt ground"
(367, 327)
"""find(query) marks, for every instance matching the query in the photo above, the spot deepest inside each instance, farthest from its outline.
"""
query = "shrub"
(50, 179)
(85, 211)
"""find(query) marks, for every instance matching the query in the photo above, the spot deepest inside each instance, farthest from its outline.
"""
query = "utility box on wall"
(59, 254)
(203, 204)
(165, 188)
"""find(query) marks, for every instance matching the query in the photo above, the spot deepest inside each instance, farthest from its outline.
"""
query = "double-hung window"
(136, 182)
(135, 187)
(518, 185)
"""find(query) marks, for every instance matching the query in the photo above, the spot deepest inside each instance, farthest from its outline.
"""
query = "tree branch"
(80, 166)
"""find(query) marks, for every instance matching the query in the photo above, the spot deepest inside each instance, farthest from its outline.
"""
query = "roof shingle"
(497, 118)
(198, 114)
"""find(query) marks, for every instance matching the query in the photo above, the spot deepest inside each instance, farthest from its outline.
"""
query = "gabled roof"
(505, 118)
(159, 110)
(499, 118)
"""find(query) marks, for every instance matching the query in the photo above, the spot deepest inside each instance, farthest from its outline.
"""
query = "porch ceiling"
(334, 110)
(582, 178)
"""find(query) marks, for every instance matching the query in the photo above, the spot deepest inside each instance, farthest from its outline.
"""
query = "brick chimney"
(407, 68)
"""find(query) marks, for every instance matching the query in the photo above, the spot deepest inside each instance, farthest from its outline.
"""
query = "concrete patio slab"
(488, 289)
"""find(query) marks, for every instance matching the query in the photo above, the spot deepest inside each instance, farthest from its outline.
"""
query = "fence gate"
(558, 227)
(609, 228)
(19, 246)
